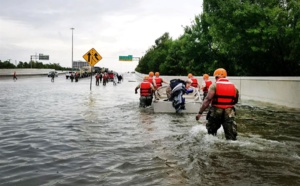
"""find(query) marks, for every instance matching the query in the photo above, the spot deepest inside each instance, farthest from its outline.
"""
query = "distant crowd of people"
(106, 77)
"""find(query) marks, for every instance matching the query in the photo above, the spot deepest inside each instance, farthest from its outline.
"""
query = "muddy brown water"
(62, 133)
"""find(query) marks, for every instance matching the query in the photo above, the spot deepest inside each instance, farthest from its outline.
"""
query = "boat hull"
(160, 106)
(193, 102)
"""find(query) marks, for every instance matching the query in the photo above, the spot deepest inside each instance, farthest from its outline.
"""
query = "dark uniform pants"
(145, 101)
(204, 95)
(225, 117)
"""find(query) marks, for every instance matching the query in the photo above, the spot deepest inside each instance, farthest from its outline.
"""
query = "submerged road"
(62, 133)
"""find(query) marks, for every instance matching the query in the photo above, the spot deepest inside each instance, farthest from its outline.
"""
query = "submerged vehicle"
(162, 103)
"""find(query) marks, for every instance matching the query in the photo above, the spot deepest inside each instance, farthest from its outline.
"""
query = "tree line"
(246, 37)
(32, 64)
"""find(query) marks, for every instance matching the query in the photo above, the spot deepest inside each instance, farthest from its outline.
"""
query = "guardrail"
(26, 71)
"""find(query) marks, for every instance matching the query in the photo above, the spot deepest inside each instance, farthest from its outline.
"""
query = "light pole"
(72, 48)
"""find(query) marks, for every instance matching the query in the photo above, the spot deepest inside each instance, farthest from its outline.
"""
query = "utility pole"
(72, 47)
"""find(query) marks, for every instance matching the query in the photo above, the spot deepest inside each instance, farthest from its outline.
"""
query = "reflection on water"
(62, 133)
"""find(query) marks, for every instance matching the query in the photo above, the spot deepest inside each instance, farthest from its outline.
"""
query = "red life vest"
(150, 80)
(225, 95)
(207, 84)
(194, 82)
(158, 82)
(145, 89)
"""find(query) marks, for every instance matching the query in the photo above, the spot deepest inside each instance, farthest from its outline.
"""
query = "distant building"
(79, 64)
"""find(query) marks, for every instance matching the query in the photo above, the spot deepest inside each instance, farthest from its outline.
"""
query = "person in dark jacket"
(177, 88)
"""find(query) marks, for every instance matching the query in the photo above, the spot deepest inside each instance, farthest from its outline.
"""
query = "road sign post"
(92, 57)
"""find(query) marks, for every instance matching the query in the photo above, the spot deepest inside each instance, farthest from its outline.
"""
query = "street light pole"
(72, 48)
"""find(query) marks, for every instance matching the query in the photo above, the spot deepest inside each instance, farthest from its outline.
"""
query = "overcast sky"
(113, 27)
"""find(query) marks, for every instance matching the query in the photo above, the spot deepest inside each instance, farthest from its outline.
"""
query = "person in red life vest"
(222, 96)
(15, 76)
(146, 92)
(97, 79)
(76, 76)
(105, 78)
(194, 81)
(151, 80)
(157, 81)
(151, 74)
(205, 85)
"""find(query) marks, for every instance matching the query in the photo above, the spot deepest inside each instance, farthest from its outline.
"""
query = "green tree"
(6, 64)
(156, 55)
(246, 37)
(255, 37)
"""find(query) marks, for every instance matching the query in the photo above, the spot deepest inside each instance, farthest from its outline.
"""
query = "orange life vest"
(145, 89)
(225, 95)
(207, 83)
(194, 82)
(158, 82)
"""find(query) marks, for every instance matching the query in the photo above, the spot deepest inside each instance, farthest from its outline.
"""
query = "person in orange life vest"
(157, 81)
(194, 81)
(222, 95)
(205, 85)
(146, 92)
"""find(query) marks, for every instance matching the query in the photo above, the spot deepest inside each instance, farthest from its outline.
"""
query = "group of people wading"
(220, 97)
(147, 88)
(74, 76)
(106, 77)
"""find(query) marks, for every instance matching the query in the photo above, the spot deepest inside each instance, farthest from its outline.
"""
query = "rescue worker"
(146, 90)
(194, 81)
(151, 74)
(157, 81)
(205, 85)
(222, 95)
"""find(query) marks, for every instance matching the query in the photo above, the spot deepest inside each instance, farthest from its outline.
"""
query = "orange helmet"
(205, 76)
(190, 75)
(156, 74)
(220, 72)
(146, 77)
(151, 74)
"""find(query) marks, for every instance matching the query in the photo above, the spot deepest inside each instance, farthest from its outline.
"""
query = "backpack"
(175, 82)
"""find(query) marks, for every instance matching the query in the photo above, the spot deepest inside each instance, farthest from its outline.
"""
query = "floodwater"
(62, 133)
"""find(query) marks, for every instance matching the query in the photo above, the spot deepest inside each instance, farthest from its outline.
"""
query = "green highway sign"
(43, 57)
(125, 58)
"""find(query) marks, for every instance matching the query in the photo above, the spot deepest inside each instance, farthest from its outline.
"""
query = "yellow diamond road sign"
(92, 57)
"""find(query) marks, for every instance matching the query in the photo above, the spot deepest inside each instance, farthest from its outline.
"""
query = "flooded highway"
(61, 133)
